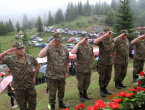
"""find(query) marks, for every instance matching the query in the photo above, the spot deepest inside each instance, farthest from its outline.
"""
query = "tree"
(110, 17)
(25, 42)
(59, 16)
(125, 19)
(11, 26)
(25, 21)
(50, 19)
(39, 25)
(30, 27)
(18, 26)
(114, 5)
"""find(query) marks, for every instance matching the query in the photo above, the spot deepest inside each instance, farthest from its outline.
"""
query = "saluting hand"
(51, 42)
(81, 41)
(10, 51)
(142, 36)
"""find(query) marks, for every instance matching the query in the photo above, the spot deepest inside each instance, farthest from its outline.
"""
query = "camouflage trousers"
(24, 96)
(120, 72)
(83, 81)
(137, 66)
(104, 74)
(53, 86)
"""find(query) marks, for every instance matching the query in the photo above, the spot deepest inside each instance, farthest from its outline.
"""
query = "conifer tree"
(50, 19)
(125, 19)
(39, 25)
(18, 26)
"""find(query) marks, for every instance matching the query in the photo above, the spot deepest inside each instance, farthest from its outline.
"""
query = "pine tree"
(25, 21)
(125, 19)
(59, 17)
(25, 42)
(18, 26)
(39, 25)
(114, 5)
(11, 26)
(50, 19)
(110, 17)
(30, 27)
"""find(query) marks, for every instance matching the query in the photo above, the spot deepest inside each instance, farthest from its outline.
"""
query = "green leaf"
(125, 100)
(133, 99)
(131, 105)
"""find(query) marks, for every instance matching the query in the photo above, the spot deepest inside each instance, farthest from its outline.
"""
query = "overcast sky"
(11, 8)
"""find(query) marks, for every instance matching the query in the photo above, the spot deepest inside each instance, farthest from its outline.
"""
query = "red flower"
(100, 104)
(128, 95)
(92, 108)
(82, 106)
(141, 73)
(112, 96)
(139, 82)
(135, 88)
(77, 107)
(122, 94)
(140, 88)
(131, 89)
(117, 100)
(113, 105)
(66, 109)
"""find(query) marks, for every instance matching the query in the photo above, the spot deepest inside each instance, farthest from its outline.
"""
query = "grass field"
(71, 94)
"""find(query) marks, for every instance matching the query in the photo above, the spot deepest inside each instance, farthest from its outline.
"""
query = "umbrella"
(2, 73)
(5, 82)
(7, 69)
(43, 69)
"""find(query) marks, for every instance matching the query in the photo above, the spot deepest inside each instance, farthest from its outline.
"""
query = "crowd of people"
(111, 51)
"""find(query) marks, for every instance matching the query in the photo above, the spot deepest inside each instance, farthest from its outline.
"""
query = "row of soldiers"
(111, 51)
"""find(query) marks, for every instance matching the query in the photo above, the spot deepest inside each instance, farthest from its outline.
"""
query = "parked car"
(29, 43)
(35, 43)
(64, 39)
(32, 37)
(76, 40)
(71, 39)
(38, 39)
(69, 46)
(50, 38)
(90, 41)
(42, 45)
(16, 36)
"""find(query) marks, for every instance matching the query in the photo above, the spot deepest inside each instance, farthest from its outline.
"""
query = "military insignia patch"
(29, 62)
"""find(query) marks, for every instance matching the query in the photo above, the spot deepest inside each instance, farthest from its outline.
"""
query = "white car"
(35, 43)
(76, 40)
(38, 39)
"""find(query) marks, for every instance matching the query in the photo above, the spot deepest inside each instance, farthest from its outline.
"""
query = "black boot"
(135, 78)
(62, 105)
(81, 97)
(52, 107)
(106, 91)
(122, 85)
(102, 92)
(117, 85)
(86, 95)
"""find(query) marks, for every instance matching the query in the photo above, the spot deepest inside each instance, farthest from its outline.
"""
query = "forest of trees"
(74, 10)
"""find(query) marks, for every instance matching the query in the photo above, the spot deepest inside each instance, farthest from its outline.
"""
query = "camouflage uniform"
(121, 59)
(106, 48)
(83, 68)
(23, 80)
(139, 56)
(57, 59)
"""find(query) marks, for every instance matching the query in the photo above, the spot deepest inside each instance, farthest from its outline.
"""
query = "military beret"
(18, 45)
(124, 31)
(107, 30)
(57, 36)
(84, 35)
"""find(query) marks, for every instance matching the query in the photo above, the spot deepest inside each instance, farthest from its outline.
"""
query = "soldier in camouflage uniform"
(85, 57)
(21, 66)
(139, 56)
(121, 59)
(105, 62)
(57, 70)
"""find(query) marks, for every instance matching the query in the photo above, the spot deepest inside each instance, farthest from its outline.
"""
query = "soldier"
(21, 65)
(139, 56)
(84, 65)
(105, 62)
(57, 69)
(121, 59)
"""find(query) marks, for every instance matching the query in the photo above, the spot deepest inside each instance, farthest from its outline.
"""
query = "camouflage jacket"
(84, 54)
(22, 71)
(140, 49)
(57, 58)
(122, 51)
(106, 49)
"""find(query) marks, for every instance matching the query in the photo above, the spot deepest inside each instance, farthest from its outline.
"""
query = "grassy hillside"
(71, 94)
